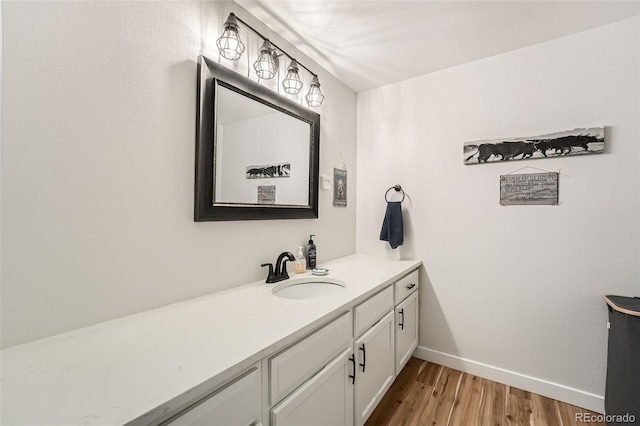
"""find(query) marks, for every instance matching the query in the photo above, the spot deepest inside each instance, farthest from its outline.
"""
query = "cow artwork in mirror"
(250, 139)
(271, 171)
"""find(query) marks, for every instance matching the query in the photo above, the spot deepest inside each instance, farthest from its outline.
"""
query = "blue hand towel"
(392, 228)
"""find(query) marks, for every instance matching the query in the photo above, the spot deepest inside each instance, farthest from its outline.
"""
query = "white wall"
(98, 144)
(516, 288)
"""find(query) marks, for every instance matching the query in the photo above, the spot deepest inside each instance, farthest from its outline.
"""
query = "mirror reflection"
(261, 154)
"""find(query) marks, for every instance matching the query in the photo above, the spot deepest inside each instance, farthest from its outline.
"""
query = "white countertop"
(117, 371)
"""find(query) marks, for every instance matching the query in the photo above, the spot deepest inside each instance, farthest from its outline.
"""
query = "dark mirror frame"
(210, 73)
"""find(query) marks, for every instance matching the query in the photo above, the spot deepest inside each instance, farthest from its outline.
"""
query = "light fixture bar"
(267, 65)
(275, 45)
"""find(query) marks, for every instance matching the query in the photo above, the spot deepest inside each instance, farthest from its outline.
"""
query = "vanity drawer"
(296, 364)
(407, 285)
(237, 403)
(374, 308)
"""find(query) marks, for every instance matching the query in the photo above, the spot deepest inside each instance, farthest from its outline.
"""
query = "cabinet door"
(406, 330)
(295, 365)
(239, 403)
(324, 399)
(375, 367)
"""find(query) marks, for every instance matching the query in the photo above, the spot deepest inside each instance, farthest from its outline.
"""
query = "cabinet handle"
(364, 357)
(402, 323)
(352, 358)
(410, 286)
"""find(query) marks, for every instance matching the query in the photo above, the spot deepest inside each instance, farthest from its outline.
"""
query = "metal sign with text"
(529, 189)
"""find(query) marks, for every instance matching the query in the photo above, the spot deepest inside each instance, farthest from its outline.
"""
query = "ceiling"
(368, 44)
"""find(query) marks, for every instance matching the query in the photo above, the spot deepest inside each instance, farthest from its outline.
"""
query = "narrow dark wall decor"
(339, 187)
(569, 142)
(529, 189)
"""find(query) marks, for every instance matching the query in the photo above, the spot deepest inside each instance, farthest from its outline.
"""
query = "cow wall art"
(280, 170)
(570, 142)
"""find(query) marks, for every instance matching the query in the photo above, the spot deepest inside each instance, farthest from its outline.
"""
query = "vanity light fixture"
(229, 43)
(266, 66)
(292, 83)
(314, 97)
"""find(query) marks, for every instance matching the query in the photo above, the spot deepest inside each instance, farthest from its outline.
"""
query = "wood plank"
(518, 407)
(429, 394)
(418, 397)
(492, 404)
(401, 390)
(429, 373)
(439, 407)
(467, 404)
(421, 393)
(543, 412)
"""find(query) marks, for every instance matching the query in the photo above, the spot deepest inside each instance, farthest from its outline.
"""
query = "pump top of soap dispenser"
(311, 238)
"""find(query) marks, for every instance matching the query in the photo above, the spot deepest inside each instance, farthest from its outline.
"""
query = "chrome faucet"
(280, 272)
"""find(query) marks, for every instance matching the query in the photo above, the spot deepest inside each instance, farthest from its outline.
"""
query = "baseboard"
(542, 387)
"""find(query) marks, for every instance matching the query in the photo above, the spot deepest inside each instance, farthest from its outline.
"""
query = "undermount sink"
(308, 288)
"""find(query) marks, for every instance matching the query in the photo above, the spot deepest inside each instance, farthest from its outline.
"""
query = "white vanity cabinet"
(374, 353)
(311, 382)
(406, 319)
(245, 356)
(335, 375)
(237, 403)
(325, 399)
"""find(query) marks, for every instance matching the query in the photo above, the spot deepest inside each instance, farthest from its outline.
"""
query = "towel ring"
(398, 188)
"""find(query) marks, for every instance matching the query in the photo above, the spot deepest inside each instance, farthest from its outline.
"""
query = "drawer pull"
(364, 357)
(410, 286)
(352, 358)
(402, 323)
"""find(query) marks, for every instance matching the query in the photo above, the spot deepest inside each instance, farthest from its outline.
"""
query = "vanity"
(243, 356)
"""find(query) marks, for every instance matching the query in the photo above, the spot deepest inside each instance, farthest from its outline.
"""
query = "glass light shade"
(314, 97)
(229, 43)
(292, 83)
(266, 65)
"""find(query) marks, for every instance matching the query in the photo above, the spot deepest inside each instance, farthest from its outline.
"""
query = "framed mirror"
(257, 153)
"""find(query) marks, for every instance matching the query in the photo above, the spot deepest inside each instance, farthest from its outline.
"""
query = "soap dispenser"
(300, 266)
(311, 253)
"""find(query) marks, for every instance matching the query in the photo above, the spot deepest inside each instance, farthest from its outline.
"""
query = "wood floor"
(430, 394)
